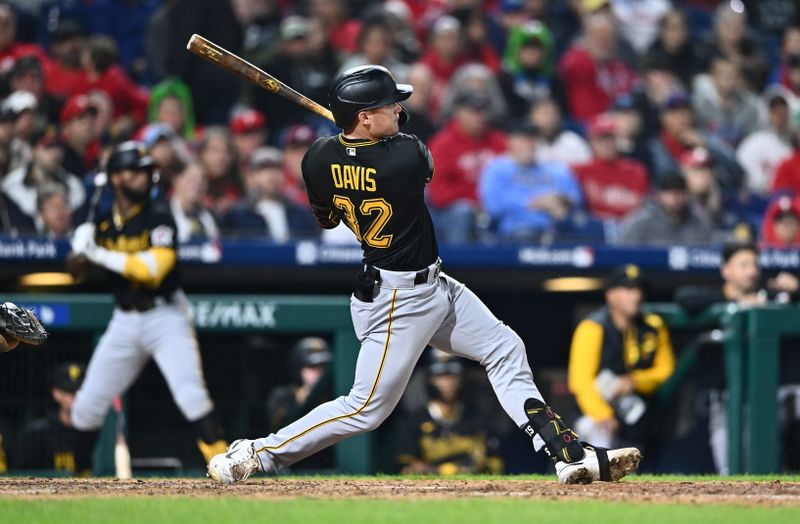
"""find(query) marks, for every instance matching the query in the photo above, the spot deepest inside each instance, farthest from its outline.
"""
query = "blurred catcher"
(135, 242)
(19, 325)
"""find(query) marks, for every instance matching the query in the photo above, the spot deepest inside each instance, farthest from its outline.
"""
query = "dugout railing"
(751, 343)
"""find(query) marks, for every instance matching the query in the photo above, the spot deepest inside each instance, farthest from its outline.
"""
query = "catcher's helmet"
(129, 155)
(362, 88)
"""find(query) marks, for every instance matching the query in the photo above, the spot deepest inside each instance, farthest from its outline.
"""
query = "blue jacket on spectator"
(506, 190)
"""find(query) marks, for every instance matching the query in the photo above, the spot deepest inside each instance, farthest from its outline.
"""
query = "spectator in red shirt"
(592, 73)
(99, 60)
(612, 186)
(787, 174)
(781, 225)
(10, 49)
(444, 55)
(342, 30)
(459, 152)
(66, 76)
(249, 131)
(81, 147)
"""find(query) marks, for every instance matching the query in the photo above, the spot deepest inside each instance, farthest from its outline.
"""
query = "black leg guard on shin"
(560, 442)
(83, 451)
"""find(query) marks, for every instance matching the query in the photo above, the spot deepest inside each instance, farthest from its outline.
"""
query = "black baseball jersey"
(378, 188)
(460, 445)
(152, 225)
(46, 444)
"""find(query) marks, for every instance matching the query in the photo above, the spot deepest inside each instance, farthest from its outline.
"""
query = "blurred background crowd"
(644, 122)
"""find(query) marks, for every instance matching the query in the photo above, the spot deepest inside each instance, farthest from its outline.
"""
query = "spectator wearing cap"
(679, 135)
(54, 217)
(697, 167)
(168, 151)
(667, 219)
(526, 198)
(193, 221)
(781, 225)
(631, 137)
(79, 135)
(266, 213)
(171, 104)
(300, 63)
(722, 105)
(66, 76)
(248, 129)
(23, 185)
(376, 45)
(442, 436)
(674, 48)
(619, 357)
(20, 108)
(99, 60)
(460, 151)
(217, 156)
(528, 66)
(612, 186)
(592, 72)
(762, 151)
(49, 442)
(556, 143)
(296, 141)
(471, 80)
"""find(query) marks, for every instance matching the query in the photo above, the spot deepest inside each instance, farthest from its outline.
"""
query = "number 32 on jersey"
(371, 206)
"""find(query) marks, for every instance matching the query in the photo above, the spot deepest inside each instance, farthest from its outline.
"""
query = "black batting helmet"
(128, 155)
(362, 88)
(311, 351)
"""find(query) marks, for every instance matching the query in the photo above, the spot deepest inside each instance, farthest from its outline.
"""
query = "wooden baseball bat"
(227, 60)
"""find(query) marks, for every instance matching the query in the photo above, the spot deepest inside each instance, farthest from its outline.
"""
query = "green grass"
(307, 511)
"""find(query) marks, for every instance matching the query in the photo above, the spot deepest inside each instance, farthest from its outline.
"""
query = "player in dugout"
(445, 436)
(619, 357)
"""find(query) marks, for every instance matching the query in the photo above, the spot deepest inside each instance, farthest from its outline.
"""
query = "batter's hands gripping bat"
(227, 60)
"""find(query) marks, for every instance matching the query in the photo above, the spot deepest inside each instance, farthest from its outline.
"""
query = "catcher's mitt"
(21, 324)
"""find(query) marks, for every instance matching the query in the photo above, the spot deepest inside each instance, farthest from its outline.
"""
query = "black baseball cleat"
(608, 465)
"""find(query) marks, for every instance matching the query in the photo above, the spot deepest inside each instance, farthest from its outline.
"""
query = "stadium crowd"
(643, 122)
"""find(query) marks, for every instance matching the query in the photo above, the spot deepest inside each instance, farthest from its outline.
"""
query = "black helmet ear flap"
(405, 116)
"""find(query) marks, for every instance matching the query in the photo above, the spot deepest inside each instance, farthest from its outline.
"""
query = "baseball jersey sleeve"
(646, 381)
(327, 216)
(426, 161)
(584, 365)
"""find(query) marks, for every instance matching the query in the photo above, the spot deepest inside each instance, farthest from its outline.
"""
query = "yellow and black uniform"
(147, 236)
(644, 352)
(378, 188)
(451, 446)
(46, 444)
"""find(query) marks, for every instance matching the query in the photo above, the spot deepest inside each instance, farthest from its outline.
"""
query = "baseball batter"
(135, 243)
(373, 177)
